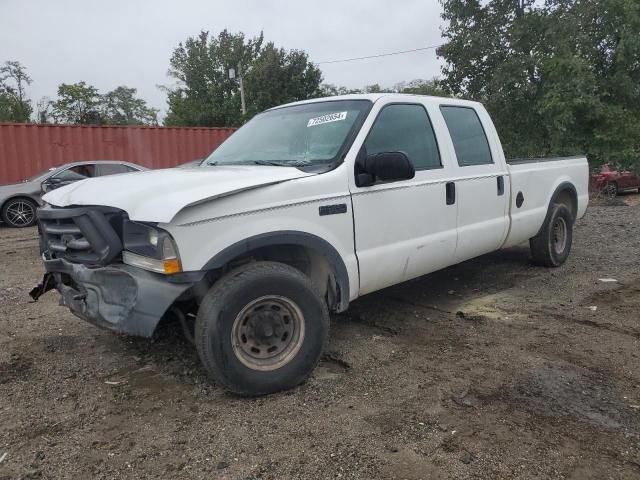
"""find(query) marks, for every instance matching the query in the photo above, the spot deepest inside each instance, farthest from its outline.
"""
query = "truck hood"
(158, 195)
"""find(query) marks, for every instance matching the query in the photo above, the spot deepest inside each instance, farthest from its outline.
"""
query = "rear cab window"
(468, 136)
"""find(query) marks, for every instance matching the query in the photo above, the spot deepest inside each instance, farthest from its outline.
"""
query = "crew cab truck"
(302, 210)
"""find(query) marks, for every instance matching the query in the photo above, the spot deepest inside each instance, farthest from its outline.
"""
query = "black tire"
(19, 212)
(611, 190)
(548, 248)
(223, 315)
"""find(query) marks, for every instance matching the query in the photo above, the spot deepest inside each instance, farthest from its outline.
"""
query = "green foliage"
(558, 78)
(376, 88)
(79, 103)
(330, 90)
(414, 87)
(278, 77)
(14, 104)
(206, 96)
(121, 107)
(421, 87)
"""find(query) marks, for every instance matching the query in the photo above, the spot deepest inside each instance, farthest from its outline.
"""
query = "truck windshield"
(312, 134)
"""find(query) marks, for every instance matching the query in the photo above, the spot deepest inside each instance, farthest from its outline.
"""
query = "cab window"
(468, 136)
(405, 128)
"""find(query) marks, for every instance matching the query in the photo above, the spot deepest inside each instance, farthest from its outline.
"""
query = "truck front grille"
(88, 235)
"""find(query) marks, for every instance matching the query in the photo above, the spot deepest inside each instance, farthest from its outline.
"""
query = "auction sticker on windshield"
(328, 118)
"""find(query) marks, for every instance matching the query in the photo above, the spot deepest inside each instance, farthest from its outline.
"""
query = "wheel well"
(567, 197)
(308, 260)
(17, 197)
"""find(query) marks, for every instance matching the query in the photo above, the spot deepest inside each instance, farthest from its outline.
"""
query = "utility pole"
(242, 104)
(232, 75)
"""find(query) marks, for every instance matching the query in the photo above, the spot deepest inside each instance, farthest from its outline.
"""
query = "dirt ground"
(494, 368)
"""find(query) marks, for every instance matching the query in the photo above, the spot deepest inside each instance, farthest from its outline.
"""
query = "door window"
(79, 172)
(468, 136)
(405, 128)
(113, 168)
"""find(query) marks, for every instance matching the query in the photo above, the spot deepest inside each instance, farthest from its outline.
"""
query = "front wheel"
(261, 328)
(552, 245)
(19, 212)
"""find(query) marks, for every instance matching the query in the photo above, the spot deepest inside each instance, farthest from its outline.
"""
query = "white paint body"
(391, 232)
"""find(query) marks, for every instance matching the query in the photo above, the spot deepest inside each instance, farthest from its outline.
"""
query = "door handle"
(450, 188)
(500, 185)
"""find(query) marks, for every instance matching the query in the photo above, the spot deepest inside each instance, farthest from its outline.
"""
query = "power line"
(381, 55)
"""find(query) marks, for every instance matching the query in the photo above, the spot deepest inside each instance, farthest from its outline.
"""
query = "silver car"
(18, 202)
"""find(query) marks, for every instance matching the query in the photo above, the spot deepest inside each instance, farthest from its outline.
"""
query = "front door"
(404, 229)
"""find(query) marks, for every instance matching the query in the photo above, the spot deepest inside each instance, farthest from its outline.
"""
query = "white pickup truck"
(304, 209)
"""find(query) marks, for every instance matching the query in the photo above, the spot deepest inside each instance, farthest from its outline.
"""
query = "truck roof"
(373, 97)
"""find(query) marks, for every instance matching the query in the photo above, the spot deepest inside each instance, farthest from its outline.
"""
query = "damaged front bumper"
(118, 297)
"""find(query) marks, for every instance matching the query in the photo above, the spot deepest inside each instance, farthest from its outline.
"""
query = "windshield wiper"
(273, 163)
(284, 163)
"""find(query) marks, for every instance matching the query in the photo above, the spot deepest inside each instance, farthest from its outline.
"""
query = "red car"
(612, 181)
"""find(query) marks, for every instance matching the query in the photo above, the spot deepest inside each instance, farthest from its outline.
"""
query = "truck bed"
(519, 161)
(536, 180)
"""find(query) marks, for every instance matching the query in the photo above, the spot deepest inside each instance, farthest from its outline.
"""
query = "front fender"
(289, 237)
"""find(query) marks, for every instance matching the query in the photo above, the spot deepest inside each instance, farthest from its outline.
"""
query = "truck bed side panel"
(537, 180)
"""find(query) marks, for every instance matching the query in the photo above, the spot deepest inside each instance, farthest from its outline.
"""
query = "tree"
(414, 87)
(277, 76)
(77, 103)
(14, 104)
(330, 90)
(421, 87)
(376, 88)
(558, 78)
(205, 95)
(121, 107)
(493, 55)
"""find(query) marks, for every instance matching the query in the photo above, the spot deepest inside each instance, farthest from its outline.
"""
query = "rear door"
(403, 229)
(481, 181)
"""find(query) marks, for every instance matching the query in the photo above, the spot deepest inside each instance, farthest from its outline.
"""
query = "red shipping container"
(26, 149)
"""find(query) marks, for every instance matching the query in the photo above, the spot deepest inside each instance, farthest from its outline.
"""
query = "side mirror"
(385, 166)
(50, 184)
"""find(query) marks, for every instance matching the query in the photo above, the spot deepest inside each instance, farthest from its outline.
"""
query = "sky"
(129, 42)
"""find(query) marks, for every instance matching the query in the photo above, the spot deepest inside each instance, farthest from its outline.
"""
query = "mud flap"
(48, 283)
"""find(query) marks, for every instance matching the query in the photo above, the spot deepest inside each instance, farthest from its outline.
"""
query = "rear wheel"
(261, 328)
(19, 212)
(552, 245)
(611, 190)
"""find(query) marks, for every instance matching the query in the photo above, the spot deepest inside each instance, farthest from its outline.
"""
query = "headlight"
(149, 248)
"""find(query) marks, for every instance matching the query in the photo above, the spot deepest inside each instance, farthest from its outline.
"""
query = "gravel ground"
(493, 368)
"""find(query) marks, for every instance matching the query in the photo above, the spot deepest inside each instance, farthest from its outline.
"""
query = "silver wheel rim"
(559, 239)
(268, 333)
(20, 213)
